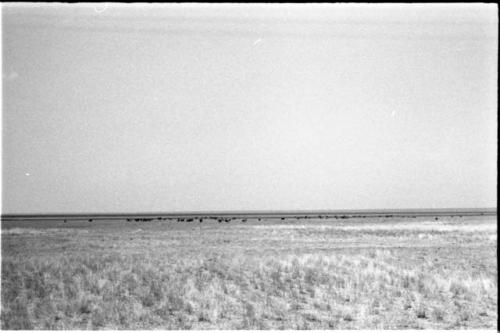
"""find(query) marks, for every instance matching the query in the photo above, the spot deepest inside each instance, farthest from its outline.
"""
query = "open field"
(367, 273)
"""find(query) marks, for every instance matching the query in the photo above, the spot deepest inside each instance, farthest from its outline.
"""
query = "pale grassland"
(378, 274)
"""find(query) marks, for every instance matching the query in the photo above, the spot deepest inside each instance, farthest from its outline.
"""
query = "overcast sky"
(234, 107)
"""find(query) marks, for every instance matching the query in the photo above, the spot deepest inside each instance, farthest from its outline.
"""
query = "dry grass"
(257, 276)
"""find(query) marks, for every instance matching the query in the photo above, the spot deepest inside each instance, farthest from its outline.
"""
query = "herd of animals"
(228, 219)
(218, 219)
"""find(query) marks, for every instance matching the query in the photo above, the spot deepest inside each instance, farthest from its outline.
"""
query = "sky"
(169, 108)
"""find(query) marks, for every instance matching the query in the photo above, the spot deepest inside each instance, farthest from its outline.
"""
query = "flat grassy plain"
(361, 273)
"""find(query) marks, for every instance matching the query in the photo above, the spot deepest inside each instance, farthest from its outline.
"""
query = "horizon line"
(265, 212)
